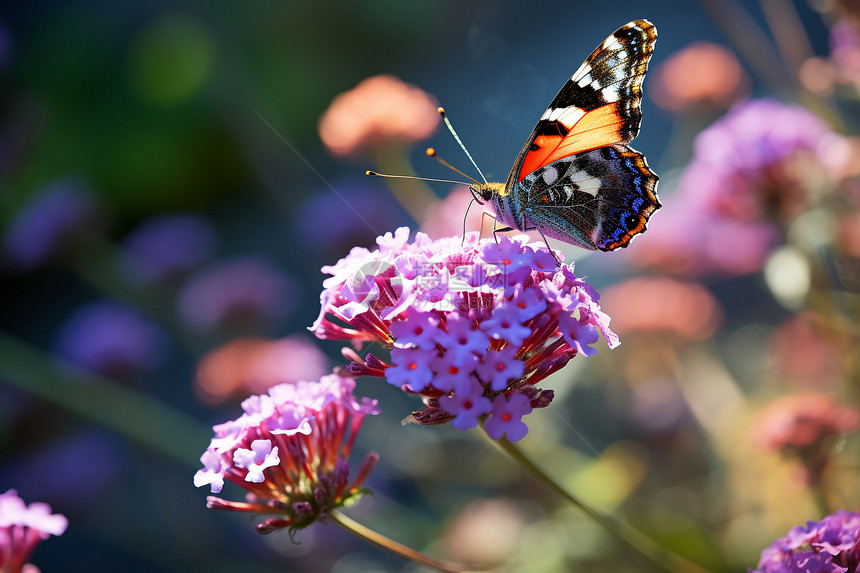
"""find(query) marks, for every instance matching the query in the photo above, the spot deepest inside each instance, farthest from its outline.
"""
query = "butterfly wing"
(599, 199)
(599, 105)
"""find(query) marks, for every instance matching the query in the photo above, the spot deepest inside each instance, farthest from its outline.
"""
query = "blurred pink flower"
(702, 74)
(445, 218)
(804, 421)
(22, 527)
(848, 233)
(379, 110)
(684, 309)
(483, 532)
(822, 75)
(801, 354)
(805, 426)
(253, 365)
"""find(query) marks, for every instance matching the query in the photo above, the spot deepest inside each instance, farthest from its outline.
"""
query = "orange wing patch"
(597, 128)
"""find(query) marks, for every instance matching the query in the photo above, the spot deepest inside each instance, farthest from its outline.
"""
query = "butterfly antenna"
(432, 153)
(459, 141)
(375, 174)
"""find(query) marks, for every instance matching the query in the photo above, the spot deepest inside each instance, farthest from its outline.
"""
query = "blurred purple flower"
(333, 222)
(240, 294)
(5, 47)
(753, 171)
(166, 247)
(53, 222)
(831, 545)
(111, 339)
(22, 527)
(467, 322)
(91, 462)
(289, 450)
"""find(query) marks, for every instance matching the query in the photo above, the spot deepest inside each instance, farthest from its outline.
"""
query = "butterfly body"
(576, 179)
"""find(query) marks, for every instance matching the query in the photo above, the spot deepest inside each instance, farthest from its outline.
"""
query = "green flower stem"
(122, 409)
(380, 540)
(660, 557)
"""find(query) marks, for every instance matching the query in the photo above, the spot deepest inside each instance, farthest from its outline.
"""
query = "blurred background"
(174, 175)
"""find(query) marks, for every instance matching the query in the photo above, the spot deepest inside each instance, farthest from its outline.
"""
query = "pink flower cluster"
(22, 526)
(289, 450)
(473, 325)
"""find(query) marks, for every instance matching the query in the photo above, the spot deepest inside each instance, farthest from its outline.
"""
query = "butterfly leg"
(551, 251)
(542, 236)
(502, 230)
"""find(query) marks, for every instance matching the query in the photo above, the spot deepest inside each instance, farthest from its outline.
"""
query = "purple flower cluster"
(22, 526)
(289, 450)
(831, 545)
(472, 324)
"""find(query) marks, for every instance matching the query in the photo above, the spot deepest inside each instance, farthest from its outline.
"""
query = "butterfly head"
(485, 192)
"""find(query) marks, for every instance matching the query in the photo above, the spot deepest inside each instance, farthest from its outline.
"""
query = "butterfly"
(576, 179)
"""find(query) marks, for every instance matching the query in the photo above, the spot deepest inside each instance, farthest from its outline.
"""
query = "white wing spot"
(610, 94)
(567, 115)
(550, 175)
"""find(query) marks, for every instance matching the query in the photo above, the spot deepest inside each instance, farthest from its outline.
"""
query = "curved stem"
(660, 557)
(126, 411)
(380, 540)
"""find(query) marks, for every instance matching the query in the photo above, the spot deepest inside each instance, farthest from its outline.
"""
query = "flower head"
(22, 527)
(831, 545)
(111, 339)
(472, 327)
(289, 450)
(379, 110)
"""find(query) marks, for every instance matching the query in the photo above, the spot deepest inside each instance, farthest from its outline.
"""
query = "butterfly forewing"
(599, 105)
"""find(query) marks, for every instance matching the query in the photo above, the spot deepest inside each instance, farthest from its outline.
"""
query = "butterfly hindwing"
(599, 199)
(599, 105)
